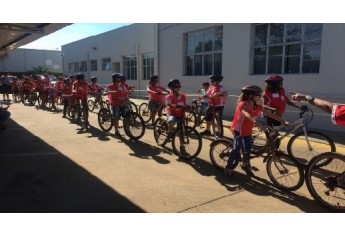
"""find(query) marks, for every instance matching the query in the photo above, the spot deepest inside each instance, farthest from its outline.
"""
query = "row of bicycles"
(311, 155)
(311, 158)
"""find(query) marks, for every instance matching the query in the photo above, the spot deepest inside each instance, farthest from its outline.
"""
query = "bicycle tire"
(90, 105)
(297, 146)
(220, 151)
(105, 120)
(285, 172)
(325, 180)
(160, 132)
(133, 125)
(134, 107)
(217, 126)
(190, 119)
(145, 112)
(192, 138)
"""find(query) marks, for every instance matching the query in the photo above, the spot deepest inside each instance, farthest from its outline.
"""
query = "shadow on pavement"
(255, 185)
(35, 177)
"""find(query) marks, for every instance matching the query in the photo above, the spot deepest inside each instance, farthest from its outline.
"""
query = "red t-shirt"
(217, 101)
(338, 114)
(119, 97)
(241, 123)
(81, 88)
(180, 100)
(276, 100)
(159, 96)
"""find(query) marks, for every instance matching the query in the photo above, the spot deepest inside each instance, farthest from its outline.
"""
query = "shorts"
(154, 105)
(173, 118)
(118, 111)
(220, 112)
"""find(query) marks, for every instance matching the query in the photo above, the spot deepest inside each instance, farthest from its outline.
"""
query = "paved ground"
(48, 164)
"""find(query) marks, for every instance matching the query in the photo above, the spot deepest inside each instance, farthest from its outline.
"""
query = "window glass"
(201, 48)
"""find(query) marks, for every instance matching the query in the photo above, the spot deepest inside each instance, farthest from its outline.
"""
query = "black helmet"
(251, 90)
(153, 78)
(80, 76)
(216, 77)
(93, 79)
(67, 80)
(123, 77)
(116, 76)
(173, 83)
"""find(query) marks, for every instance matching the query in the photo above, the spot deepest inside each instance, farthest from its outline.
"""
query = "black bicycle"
(133, 123)
(194, 118)
(325, 179)
(283, 170)
(186, 140)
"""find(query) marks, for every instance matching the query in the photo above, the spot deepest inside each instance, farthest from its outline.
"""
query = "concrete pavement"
(48, 164)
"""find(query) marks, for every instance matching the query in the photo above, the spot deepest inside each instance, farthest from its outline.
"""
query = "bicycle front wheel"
(325, 179)
(284, 172)
(220, 151)
(318, 143)
(160, 132)
(145, 112)
(90, 105)
(134, 125)
(186, 142)
(105, 120)
(190, 119)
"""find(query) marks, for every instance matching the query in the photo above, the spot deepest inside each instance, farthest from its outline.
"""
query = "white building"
(23, 60)
(308, 56)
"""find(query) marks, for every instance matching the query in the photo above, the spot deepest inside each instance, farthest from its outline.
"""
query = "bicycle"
(186, 140)
(194, 118)
(98, 99)
(283, 170)
(303, 145)
(133, 123)
(325, 179)
(145, 112)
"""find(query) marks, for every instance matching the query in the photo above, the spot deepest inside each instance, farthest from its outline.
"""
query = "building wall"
(134, 39)
(236, 67)
(23, 60)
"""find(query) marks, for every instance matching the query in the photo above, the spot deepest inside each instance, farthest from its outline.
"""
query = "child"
(156, 96)
(244, 119)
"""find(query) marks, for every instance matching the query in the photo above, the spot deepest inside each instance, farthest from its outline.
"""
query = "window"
(76, 67)
(83, 66)
(287, 48)
(203, 52)
(71, 67)
(148, 65)
(106, 65)
(130, 67)
(93, 65)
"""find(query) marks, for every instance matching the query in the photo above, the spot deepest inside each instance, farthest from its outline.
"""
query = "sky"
(71, 33)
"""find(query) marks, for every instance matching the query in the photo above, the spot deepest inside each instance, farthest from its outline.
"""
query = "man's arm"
(322, 104)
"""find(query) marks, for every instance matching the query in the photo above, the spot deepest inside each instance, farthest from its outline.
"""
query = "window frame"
(195, 58)
(148, 64)
(105, 62)
(130, 70)
(266, 45)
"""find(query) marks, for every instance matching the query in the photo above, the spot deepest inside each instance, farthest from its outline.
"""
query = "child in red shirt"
(117, 95)
(242, 125)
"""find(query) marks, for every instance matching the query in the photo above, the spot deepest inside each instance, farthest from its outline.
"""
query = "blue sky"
(70, 34)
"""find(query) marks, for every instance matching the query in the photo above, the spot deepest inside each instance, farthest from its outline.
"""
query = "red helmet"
(274, 79)
(251, 89)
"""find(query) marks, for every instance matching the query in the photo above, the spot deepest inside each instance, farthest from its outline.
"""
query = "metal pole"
(88, 66)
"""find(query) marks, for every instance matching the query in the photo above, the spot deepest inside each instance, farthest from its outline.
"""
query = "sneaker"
(117, 134)
(228, 172)
(248, 170)
(183, 151)
(206, 132)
